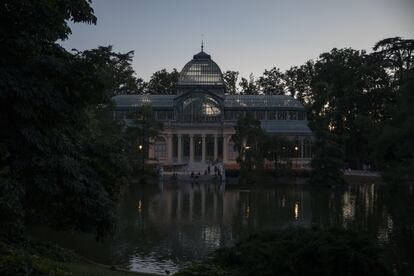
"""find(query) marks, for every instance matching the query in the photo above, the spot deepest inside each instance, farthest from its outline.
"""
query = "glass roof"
(230, 101)
(140, 100)
(201, 70)
(286, 126)
(251, 101)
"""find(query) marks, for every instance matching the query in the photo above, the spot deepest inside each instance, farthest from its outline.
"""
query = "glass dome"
(199, 108)
(201, 70)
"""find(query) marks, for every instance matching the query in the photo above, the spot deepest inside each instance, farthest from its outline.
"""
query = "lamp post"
(296, 156)
(140, 147)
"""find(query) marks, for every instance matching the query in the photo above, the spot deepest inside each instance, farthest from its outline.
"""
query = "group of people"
(217, 172)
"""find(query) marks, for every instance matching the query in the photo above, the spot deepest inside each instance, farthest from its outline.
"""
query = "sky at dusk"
(245, 36)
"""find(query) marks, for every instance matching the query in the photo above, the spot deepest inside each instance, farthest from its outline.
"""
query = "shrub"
(16, 261)
(298, 252)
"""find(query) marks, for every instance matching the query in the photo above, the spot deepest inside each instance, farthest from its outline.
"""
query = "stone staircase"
(198, 167)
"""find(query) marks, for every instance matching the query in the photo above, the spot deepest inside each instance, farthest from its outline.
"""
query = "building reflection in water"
(165, 226)
(193, 219)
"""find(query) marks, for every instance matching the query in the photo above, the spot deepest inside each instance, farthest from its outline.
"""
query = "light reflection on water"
(163, 229)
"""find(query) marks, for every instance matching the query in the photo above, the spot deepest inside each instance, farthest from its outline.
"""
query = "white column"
(203, 148)
(224, 148)
(169, 148)
(191, 147)
(179, 148)
(215, 147)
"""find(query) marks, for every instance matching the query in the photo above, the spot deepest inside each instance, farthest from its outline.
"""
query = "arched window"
(160, 148)
(199, 108)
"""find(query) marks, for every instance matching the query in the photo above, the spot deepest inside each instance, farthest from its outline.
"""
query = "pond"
(162, 226)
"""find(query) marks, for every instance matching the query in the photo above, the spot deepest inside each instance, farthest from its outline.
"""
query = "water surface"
(164, 226)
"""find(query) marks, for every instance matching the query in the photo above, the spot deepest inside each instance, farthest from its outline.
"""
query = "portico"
(185, 146)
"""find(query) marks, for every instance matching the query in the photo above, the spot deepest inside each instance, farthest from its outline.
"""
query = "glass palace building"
(199, 119)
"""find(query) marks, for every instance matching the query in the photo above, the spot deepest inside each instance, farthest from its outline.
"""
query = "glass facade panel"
(200, 109)
(160, 148)
(301, 115)
(293, 115)
(260, 115)
(281, 115)
(272, 115)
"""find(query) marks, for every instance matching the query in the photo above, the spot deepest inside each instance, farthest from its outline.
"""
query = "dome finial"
(202, 42)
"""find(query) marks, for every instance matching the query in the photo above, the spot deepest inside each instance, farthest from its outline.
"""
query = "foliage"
(397, 54)
(11, 209)
(350, 95)
(248, 87)
(327, 162)
(272, 82)
(230, 80)
(300, 251)
(141, 131)
(163, 82)
(17, 261)
(60, 148)
(395, 144)
(255, 147)
(247, 140)
(279, 150)
(119, 75)
(299, 81)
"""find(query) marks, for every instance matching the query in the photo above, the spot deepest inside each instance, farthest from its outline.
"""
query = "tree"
(140, 133)
(230, 80)
(348, 88)
(142, 86)
(397, 53)
(60, 154)
(163, 82)
(272, 82)
(247, 140)
(249, 87)
(120, 75)
(299, 80)
(279, 150)
(394, 144)
(327, 161)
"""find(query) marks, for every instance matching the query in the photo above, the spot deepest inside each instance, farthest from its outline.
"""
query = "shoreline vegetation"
(295, 251)
(40, 258)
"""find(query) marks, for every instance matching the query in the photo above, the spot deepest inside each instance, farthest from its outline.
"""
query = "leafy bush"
(16, 261)
(297, 252)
